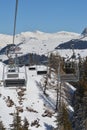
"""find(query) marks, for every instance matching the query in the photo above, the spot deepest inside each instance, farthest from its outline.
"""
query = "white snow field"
(32, 104)
(42, 43)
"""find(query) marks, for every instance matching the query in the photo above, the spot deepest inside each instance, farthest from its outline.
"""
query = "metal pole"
(58, 88)
(16, 8)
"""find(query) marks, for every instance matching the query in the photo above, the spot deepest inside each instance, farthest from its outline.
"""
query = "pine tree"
(16, 121)
(26, 124)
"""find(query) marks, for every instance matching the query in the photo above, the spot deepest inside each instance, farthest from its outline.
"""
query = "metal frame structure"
(73, 77)
(13, 75)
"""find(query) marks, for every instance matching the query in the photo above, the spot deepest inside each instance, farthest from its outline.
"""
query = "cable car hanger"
(71, 66)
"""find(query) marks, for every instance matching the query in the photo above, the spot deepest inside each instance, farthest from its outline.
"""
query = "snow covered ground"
(32, 104)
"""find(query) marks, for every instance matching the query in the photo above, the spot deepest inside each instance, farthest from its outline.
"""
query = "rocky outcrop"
(84, 32)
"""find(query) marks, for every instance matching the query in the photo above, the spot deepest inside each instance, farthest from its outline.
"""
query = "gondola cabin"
(32, 67)
(14, 76)
(41, 70)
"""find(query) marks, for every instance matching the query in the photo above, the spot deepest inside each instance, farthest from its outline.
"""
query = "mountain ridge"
(40, 42)
(8, 39)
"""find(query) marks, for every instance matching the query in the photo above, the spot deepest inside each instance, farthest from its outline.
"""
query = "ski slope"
(32, 104)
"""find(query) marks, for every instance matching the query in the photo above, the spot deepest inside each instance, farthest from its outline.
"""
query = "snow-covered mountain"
(30, 100)
(38, 42)
(42, 43)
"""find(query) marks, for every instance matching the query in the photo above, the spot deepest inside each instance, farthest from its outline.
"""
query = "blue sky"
(44, 15)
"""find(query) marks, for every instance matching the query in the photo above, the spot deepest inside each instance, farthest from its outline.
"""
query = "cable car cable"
(16, 9)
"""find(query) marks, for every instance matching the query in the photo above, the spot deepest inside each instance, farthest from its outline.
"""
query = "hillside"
(39, 109)
(41, 43)
(31, 102)
(37, 42)
(79, 43)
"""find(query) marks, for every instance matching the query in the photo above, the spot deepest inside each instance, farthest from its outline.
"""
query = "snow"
(34, 103)
(37, 42)
(1, 70)
(70, 86)
(32, 100)
(41, 68)
(70, 108)
(42, 43)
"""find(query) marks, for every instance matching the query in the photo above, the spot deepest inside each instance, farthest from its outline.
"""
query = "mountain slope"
(78, 44)
(31, 102)
(41, 43)
(37, 42)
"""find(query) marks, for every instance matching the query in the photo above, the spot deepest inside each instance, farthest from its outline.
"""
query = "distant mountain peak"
(39, 32)
(84, 31)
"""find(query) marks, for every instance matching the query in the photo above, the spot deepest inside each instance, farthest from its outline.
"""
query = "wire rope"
(15, 19)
